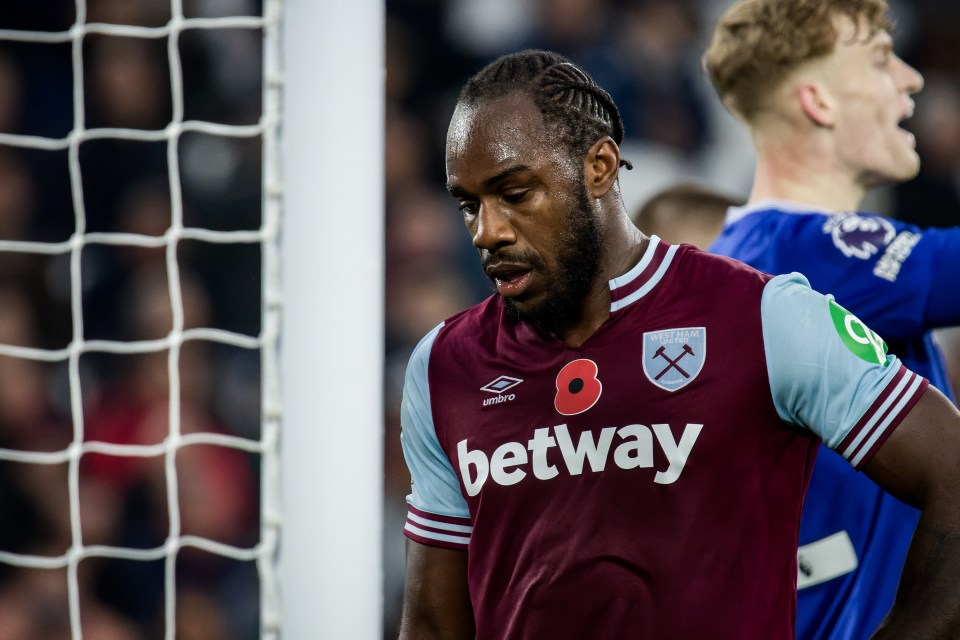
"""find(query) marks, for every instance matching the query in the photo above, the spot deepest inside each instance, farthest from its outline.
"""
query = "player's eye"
(469, 208)
(515, 196)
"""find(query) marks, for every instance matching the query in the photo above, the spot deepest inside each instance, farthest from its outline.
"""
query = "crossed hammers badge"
(672, 358)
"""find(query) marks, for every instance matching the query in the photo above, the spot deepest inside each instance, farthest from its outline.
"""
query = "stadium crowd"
(125, 296)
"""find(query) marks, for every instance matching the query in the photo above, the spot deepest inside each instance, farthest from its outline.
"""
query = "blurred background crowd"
(125, 296)
(645, 52)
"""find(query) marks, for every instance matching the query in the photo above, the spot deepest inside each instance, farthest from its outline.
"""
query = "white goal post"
(331, 337)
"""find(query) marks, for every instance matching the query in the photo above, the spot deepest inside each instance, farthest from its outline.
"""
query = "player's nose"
(911, 80)
(492, 228)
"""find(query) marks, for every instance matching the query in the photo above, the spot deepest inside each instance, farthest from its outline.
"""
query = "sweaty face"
(873, 88)
(526, 207)
(576, 254)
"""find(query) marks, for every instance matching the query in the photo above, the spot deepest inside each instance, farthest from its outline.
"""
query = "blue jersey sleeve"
(895, 276)
(829, 372)
(435, 489)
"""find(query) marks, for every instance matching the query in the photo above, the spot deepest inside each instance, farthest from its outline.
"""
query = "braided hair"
(577, 109)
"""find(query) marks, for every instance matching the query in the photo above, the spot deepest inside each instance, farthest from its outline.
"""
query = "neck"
(821, 192)
(623, 244)
(804, 169)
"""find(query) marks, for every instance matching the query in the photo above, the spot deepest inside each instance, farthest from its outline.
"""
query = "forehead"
(495, 134)
(860, 35)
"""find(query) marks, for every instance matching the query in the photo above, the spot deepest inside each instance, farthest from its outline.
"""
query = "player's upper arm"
(920, 461)
(830, 373)
(437, 511)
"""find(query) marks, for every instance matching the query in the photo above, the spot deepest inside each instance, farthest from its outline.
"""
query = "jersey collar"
(644, 276)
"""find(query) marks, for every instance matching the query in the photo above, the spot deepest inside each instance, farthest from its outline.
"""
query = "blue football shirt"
(896, 278)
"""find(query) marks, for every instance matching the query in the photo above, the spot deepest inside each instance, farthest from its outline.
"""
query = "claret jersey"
(648, 484)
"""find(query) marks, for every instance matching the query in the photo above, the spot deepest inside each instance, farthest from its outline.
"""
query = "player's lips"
(906, 114)
(907, 135)
(908, 110)
(511, 280)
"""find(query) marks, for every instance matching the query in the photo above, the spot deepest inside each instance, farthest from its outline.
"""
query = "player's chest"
(642, 396)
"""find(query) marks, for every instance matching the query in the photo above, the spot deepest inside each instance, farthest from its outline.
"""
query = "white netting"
(211, 454)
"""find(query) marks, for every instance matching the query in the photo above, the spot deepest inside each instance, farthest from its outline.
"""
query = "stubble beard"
(578, 258)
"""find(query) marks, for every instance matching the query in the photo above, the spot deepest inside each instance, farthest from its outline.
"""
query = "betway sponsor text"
(511, 462)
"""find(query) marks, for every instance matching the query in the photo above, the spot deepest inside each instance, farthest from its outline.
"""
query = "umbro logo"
(501, 384)
(498, 386)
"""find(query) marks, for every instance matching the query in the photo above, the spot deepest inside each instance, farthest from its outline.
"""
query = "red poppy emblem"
(578, 387)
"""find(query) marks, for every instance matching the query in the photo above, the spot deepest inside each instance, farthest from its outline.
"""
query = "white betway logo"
(509, 463)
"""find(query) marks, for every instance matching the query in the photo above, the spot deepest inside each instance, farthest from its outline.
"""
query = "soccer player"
(616, 444)
(823, 94)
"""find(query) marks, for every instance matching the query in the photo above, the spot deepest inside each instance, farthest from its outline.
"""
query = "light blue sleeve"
(435, 488)
(826, 367)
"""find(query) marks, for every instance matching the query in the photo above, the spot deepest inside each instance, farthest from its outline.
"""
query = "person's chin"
(906, 168)
(525, 308)
(911, 158)
(911, 166)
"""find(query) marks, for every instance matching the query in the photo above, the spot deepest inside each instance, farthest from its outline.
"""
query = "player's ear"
(816, 103)
(601, 166)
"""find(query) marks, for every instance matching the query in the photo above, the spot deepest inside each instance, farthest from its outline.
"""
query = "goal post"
(331, 344)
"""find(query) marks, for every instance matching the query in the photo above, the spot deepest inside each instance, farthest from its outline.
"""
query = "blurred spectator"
(578, 26)
(129, 83)
(11, 94)
(653, 70)
(33, 606)
(216, 491)
(123, 501)
(143, 13)
(685, 212)
(30, 418)
(17, 196)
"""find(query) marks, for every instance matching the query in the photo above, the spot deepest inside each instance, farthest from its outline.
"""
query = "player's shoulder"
(465, 327)
(472, 317)
(708, 268)
(790, 289)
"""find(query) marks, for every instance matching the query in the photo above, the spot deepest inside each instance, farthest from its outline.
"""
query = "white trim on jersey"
(633, 273)
(436, 524)
(433, 535)
(878, 424)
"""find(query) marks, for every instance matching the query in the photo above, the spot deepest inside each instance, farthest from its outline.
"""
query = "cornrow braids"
(578, 110)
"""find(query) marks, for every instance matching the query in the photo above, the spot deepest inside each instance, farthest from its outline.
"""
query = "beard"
(578, 258)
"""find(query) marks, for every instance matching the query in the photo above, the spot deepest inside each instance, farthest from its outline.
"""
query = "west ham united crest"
(672, 358)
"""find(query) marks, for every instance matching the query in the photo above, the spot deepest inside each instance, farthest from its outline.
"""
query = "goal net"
(145, 194)
(139, 279)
